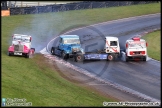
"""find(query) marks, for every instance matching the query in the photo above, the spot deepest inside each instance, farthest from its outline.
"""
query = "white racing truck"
(136, 48)
(110, 52)
(21, 46)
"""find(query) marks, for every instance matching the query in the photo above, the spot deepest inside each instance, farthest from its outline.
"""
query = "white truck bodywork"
(112, 45)
(136, 48)
(21, 45)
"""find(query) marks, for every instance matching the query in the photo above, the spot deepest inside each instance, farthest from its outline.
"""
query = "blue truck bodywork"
(69, 47)
(95, 56)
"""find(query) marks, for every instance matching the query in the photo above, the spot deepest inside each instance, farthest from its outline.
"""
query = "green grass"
(39, 84)
(154, 43)
(35, 80)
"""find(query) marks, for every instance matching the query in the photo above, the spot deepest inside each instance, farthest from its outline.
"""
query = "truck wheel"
(64, 55)
(78, 58)
(117, 56)
(33, 49)
(144, 58)
(9, 53)
(110, 57)
(53, 51)
(126, 58)
(27, 55)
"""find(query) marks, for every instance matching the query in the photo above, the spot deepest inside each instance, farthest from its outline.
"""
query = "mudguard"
(11, 48)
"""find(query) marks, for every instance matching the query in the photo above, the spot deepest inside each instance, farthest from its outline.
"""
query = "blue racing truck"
(69, 47)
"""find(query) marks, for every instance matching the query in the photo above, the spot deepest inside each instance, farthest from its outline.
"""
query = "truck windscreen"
(137, 44)
(71, 41)
(17, 38)
(21, 38)
(113, 43)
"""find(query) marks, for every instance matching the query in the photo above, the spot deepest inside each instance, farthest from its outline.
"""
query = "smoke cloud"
(42, 30)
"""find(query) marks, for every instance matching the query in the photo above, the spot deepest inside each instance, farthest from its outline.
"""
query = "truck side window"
(60, 40)
(113, 43)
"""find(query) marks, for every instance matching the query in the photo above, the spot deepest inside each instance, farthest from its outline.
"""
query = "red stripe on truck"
(112, 47)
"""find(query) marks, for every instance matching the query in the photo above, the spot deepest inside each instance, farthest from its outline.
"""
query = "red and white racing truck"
(111, 50)
(136, 48)
(21, 45)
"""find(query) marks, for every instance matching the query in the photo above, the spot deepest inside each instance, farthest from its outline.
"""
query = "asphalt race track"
(140, 76)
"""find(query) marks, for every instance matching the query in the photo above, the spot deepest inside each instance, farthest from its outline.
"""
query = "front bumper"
(137, 57)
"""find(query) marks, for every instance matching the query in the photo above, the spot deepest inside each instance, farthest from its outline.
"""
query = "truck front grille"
(75, 49)
(18, 47)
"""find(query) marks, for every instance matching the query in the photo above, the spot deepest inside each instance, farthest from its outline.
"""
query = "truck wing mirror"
(126, 45)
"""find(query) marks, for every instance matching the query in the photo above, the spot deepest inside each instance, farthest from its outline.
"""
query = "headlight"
(67, 52)
(75, 49)
(82, 51)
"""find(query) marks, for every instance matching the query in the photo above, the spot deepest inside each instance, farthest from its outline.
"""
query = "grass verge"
(154, 43)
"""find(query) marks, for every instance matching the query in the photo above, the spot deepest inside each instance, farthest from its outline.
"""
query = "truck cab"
(69, 47)
(70, 44)
(136, 48)
(112, 47)
(21, 45)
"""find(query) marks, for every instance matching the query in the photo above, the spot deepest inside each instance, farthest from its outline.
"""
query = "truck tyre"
(78, 58)
(126, 58)
(110, 57)
(9, 53)
(144, 58)
(64, 55)
(33, 49)
(116, 56)
(53, 51)
(27, 55)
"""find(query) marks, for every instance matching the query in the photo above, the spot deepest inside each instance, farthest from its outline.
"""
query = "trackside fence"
(73, 6)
